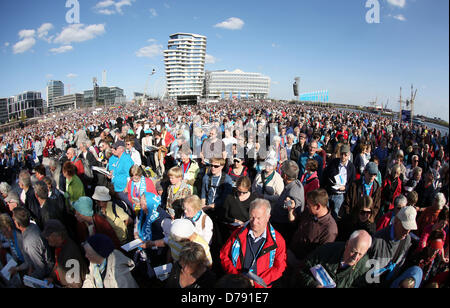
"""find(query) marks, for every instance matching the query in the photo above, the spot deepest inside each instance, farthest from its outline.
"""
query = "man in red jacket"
(256, 249)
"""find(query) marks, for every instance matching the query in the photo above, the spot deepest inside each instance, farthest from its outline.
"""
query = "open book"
(322, 277)
(103, 171)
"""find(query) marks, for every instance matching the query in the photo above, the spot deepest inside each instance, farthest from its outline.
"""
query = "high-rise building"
(185, 64)
(226, 85)
(55, 88)
(3, 110)
(71, 101)
(103, 96)
(28, 104)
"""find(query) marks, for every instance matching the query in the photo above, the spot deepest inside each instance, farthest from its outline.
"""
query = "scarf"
(236, 248)
(145, 220)
(142, 188)
(98, 270)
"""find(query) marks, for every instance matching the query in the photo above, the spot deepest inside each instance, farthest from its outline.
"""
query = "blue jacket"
(121, 172)
(302, 164)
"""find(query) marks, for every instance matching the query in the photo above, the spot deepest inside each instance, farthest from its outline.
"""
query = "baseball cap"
(372, 168)
(52, 226)
(119, 143)
(407, 217)
(345, 148)
(182, 228)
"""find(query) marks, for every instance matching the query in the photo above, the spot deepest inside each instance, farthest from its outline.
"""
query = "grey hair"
(41, 190)
(5, 188)
(290, 169)
(257, 203)
(400, 200)
(440, 198)
(54, 163)
(25, 178)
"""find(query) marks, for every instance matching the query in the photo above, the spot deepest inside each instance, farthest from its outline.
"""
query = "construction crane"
(411, 102)
(144, 98)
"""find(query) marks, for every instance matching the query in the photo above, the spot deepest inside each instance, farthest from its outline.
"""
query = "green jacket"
(330, 256)
(74, 190)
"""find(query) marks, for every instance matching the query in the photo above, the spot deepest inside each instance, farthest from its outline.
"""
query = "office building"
(185, 65)
(72, 101)
(28, 104)
(55, 88)
(227, 85)
(103, 96)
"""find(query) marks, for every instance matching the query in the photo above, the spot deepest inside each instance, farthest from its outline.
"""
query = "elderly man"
(256, 247)
(345, 262)
(311, 154)
(391, 245)
(293, 194)
(108, 268)
(49, 209)
(121, 171)
(70, 267)
(337, 179)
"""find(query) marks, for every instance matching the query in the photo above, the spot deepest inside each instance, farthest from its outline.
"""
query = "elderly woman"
(137, 186)
(176, 192)
(74, 186)
(16, 250)
(191, 270)
(192, 206)
(268, 184)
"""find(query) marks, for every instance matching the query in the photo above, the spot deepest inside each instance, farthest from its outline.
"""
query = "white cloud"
(71, 75)
(397, 3)
(210, 59)
(44, 29)
(7, 44)
(24, 45)
(153, 12)
(152, 40)
(110, 7)
(150, 51)
(61, 49)
(27, 33)
(232, 23)
(79, 33)
(399, 17)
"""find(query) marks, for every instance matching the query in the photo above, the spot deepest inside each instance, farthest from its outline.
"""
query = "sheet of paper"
(132, 245)
(36, 283)
(322, 276)
(100, 170)
(5, 271)
(256, 279)
(162, 272)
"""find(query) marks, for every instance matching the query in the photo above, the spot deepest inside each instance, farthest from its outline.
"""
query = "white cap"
(407, 217)
(182, 228)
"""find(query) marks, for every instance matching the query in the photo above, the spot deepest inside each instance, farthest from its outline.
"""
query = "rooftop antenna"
(104, 78)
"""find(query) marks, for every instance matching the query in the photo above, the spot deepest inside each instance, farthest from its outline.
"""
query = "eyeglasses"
(216, 166)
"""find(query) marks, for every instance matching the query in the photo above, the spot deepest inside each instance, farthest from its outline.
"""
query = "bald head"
(356, 247)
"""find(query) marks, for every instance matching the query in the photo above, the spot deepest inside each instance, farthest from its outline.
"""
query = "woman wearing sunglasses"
(362, 218)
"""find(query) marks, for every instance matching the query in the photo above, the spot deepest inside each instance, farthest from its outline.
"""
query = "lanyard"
(185, 170)
(215, 189)
(255, 256)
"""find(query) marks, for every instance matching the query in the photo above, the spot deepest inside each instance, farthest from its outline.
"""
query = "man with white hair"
(345, 262)
(430, 214)
(256, 248)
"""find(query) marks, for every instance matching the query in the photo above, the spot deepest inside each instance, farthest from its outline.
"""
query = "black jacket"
(331, 171)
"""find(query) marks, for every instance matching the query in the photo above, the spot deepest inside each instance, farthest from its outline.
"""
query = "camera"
(287, 204)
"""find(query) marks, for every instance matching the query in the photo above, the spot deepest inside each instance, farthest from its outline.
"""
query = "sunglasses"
(216, 166)
(366, 212)
(240, 193)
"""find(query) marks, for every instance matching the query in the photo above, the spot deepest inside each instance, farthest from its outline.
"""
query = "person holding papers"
(337, 179)
(345, 262)
(108, 268)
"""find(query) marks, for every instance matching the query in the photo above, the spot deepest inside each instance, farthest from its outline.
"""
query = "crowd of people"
(230, 195)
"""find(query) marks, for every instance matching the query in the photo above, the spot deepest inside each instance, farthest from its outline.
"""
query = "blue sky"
(328, 43)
